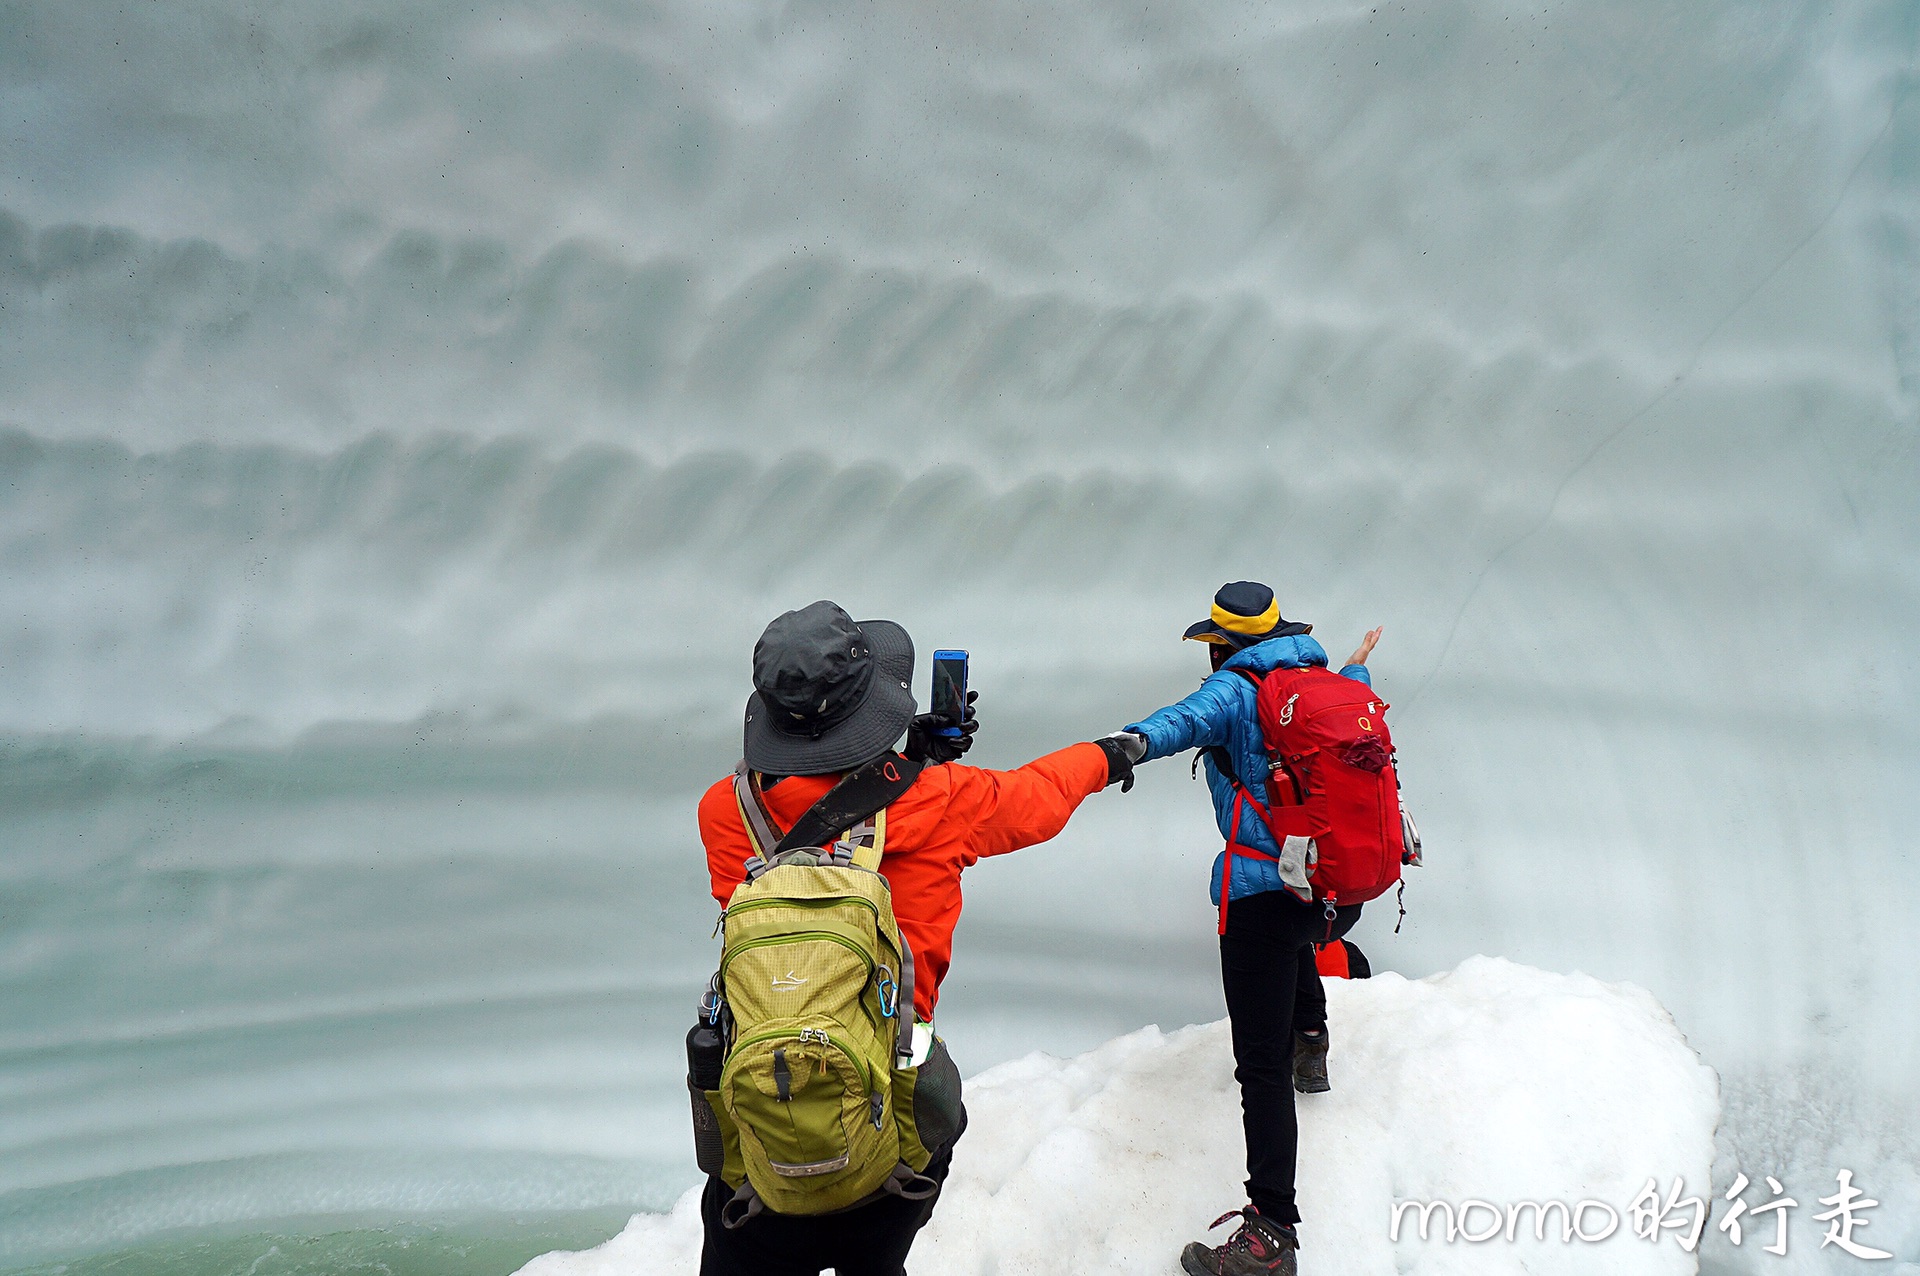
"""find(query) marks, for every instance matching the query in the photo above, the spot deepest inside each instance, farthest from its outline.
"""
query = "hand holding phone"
(950, 689)
(945, 732)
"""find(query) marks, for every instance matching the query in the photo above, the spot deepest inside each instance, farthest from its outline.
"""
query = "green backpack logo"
(815, 1109)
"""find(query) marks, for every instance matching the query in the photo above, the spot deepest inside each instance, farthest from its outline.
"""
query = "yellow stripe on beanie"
(1247, 624)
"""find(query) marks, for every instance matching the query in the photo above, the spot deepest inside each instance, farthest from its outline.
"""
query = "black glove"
(926, 744)
(1123, 749)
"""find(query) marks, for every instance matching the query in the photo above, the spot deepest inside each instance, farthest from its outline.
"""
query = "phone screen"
(950, 686)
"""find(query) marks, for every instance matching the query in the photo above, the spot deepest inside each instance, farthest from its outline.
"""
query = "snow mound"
(1495, 1082)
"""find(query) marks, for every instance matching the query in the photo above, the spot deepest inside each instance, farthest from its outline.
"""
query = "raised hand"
(1367, 644)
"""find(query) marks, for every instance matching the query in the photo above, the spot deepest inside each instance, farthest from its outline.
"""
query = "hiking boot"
(1310, 1062)
(1259, 1247)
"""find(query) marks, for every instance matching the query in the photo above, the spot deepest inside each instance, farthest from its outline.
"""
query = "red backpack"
(1333, 781)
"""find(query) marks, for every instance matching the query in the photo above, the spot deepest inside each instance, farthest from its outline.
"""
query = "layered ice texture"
(409, 420)
(1492, 1083)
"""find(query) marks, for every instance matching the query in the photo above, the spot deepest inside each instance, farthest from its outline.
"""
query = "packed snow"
(1495, 1082)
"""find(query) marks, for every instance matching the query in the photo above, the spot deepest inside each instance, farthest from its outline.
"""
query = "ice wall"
(407, 422)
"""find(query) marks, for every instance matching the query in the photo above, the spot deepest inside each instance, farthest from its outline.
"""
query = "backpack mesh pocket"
(936, 1098)
(709, 1145)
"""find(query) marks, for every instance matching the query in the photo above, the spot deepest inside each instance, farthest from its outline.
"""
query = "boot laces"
(1256, 1235)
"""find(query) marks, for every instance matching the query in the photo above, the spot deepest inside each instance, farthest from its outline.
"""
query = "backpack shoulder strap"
(1223, 757)
(762, 832)
(866, 842)
(856, 807)
(861, 793)
(1222, 762)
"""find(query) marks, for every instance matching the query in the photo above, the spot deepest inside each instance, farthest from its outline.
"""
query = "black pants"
(872, 1240)
(1273, 988)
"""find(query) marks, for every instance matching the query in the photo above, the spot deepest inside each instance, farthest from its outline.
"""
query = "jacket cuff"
(1143, 730)
(1090, 762)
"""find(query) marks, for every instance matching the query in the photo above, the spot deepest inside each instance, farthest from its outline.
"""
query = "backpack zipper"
(830, 901)
(859, 1064)
(747, 906)
(795, 936)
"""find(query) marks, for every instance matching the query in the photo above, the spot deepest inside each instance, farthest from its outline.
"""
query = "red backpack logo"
(1333, 781)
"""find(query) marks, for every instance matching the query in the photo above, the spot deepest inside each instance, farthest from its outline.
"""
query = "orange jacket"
(951, 817)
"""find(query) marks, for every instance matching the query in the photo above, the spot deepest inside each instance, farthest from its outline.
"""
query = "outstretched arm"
(1202, 720)
(1006, 810)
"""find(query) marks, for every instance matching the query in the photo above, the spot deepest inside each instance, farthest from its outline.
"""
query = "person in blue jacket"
(1275, 1003)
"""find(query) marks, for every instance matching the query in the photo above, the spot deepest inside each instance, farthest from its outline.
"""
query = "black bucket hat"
(1245, 612)
(828, 694)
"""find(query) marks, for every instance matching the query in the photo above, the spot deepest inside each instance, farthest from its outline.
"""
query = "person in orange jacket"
(829, 695)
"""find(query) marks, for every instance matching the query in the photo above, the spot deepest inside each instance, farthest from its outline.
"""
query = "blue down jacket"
(1220, 715)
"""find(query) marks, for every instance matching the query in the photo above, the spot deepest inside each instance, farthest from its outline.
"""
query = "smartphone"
(950, 687)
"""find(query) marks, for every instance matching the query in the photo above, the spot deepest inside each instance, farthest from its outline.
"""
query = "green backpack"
(818, 1106)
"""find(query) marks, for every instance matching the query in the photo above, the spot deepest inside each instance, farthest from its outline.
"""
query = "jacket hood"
(1293, 652)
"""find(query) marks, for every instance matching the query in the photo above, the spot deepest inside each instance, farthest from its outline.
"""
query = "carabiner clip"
(889, 993)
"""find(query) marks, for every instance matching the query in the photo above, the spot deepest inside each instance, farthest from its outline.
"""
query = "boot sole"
(1312, 1087)
(1193, 1265)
